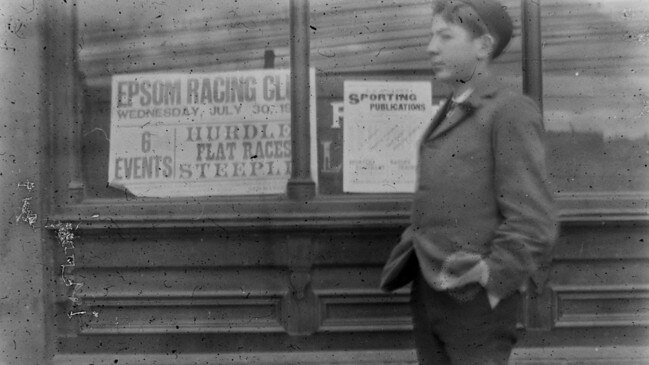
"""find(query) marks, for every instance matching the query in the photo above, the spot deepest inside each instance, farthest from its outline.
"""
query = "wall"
(22, 262)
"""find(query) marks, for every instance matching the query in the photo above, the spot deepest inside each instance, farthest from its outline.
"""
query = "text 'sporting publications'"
(383, 124)
(178, 135)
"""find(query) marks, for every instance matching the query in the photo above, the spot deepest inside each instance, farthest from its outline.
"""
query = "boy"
(483, 220)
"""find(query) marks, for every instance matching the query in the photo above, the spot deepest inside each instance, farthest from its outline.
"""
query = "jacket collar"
(485, 87)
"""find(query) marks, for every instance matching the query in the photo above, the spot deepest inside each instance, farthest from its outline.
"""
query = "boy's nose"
(432, 47)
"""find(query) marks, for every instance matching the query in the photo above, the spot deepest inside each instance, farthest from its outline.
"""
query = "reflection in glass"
(595, 61)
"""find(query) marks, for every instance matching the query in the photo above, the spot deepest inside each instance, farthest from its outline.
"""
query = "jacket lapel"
(453, 118)
(485, 87)
(437, 119)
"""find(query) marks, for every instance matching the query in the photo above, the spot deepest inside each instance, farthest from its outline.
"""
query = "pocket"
(466, 293)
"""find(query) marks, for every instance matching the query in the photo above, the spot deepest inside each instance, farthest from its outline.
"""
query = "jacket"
(481, 189)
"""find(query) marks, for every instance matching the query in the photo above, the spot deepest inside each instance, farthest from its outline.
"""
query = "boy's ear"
(486, 44)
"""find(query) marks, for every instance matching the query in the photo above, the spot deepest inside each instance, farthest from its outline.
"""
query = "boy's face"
(454, 51)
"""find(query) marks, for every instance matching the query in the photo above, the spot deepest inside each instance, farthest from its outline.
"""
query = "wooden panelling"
(217, 312)
(599, 276)
(180, 282)
(567, 355)
(172, 284)
(604, 242)
(344, 251)
(180, 248)
(619, 355)
(364, 310)
(215, 280)
(599, 272)
(369, 310)
(178, 300)
(593, 306)
(375, 357)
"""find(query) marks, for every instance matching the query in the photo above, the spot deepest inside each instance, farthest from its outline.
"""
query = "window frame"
(68, 202)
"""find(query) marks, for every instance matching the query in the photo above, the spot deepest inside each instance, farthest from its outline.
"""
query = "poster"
(187, 134)
(384, 121)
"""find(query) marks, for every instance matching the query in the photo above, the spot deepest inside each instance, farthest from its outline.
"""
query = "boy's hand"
(462, 268)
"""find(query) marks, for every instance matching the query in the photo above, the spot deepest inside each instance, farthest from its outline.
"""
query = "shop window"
(595, 73)
(363, 41)
(596, 101)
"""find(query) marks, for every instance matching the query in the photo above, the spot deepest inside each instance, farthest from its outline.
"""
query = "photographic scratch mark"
(118, 228)
(642, 38)
(225, 231)
(645, 106)
(17, 29)
(66, 237)
(27, 11)
(8, 48)
(27, 185)
(100, 130)
(27, 215)
(194, 290)
(331, 54)
(72, 314)
(200, 216)
(239, 25)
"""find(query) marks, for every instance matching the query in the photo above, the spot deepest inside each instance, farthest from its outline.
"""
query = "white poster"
(383, 124)
(180, 134)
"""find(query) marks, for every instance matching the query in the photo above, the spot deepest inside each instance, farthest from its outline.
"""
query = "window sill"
(329, 211)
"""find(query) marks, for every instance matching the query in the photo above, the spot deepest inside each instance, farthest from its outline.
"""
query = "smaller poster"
(384, 121)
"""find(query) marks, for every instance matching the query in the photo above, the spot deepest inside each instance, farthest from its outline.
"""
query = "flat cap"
(496, 19)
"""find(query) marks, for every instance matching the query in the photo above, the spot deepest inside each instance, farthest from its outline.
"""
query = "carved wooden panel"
(364, 310)
(219, 312)
(584, 306)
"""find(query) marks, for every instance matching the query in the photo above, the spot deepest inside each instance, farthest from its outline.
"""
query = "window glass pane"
(369, 40)
(596, 104)
(189, 37)
(595, 71)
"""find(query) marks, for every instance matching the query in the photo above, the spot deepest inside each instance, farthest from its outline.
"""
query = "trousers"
(459, 327)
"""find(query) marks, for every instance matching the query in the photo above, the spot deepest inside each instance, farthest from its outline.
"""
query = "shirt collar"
(459, 99)
(484, 87)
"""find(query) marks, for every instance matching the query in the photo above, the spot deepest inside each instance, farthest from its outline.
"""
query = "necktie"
(452, 107)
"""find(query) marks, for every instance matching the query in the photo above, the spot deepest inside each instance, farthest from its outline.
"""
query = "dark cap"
(497, 20)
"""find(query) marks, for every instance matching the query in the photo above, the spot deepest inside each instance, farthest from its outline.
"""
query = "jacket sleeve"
(401, 267)
(523, 242)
